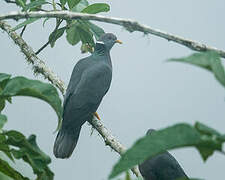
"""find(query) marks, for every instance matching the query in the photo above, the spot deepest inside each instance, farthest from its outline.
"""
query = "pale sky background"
(145, 93)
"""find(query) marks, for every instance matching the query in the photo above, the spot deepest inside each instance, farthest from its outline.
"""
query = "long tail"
(65, 142)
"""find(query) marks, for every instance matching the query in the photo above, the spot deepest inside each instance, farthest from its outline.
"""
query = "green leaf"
(56, 35)
(4, 177)
(6, 169)
(95, 30)
(85, 35)
(4, 77)
(34, 4)
(26, 22)
(206, 130)
(127, 177)
(21, 3)
(72, 3)
(96, 8)
(179, 135)
(3, 120)
(80, 6)
(28, 150)
(72, 35)
(21, 86)
(209, 60)
(2, 103)
(5, 147)
(217, 69)
(46, 19)
(63, 2)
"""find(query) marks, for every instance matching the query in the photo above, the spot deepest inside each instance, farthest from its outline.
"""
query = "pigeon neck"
(100, 49)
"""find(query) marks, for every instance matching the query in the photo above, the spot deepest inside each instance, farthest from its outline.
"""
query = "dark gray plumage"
(89, 82)
(161, 167)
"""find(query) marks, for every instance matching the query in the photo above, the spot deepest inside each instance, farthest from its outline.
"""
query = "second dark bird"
(161, 167)
(89, 82)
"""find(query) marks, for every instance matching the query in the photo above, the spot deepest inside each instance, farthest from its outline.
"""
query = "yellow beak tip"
(118, 41)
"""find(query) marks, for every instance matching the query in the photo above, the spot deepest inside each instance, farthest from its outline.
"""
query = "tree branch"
(38, 65)
(130, 25)
(111, 141)
(40, 68)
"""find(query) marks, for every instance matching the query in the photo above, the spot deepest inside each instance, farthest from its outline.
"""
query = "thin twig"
(58, 22)
(24, 28)
(40, 68)
(130, 25)
(42, 47)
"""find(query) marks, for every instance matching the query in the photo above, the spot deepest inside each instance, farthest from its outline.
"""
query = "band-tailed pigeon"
(161, 167)
(89, 82)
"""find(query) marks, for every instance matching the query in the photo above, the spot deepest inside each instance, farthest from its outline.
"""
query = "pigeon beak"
(118, 41)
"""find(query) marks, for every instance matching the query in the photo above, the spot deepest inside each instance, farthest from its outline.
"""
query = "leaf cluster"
(13, 143)
(76, 30)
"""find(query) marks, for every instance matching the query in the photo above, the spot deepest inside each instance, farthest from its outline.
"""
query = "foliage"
(208, 60)
(200, 136)
(16, 146)
(76, 30)
(13, 143)
(21, 86)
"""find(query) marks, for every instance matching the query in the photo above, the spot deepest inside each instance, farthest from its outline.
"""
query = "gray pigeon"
(89, 82)
(161, 167)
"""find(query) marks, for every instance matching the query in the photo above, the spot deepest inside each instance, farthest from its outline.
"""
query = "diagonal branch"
(130, 25)
(40, 67)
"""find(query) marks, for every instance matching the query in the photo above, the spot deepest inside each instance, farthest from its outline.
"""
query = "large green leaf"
(72, 35)
(179, 135)
(85, 35)
(56, 35)
(21, 86)
(26, 22)
(34, 4)
(72, 3)
(4, 177)
(28, 150)
(3, 120)
(208, 60)
(96, 8)
(6, 169)
(95, 30)
(80, 6)
(4, 77)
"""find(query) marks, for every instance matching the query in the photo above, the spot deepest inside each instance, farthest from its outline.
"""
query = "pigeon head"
(108, 40)
(150, 131)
